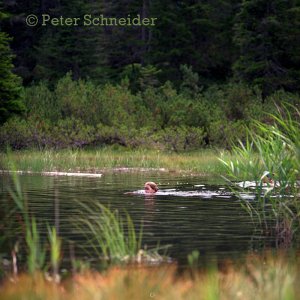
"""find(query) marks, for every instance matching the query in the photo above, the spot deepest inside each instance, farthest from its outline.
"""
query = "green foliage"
(10, 84)
(193, 259)
(42, 103)
(237, 99)
(224, 133)
(79, 113)
(71, 132)
(110, 236)
(55, 251)
(141, 77)
(79, 49)
(273, 147)
(197, 34)
(190, 80)
(180, 138)
(254, 41)
(36, 252)
(16, 132)
(109, 105)
(265, 34)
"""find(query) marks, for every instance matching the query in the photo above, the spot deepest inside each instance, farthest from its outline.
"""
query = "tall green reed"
(55, 251)
(36, 251)
(112, 236)
(273, 147)
(28, 231)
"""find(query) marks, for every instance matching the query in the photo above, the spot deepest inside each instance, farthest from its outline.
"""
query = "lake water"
(189, 212)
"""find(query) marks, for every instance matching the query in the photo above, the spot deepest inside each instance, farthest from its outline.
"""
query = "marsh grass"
(273, 147)
(55, 251)
(112, 236)
(36, 252)
(203, 162)
(258, 277)
(106, 232)
(22, 229)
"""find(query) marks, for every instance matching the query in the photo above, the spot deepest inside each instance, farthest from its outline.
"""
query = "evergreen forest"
(194, 79)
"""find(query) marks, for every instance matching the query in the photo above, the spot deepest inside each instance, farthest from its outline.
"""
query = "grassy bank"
(200, 162)
(263, 277)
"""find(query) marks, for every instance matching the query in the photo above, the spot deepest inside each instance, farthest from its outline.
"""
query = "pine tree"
(79, 49)
(10, 84)
(267, 34)
(25, 38)
(129, 45)
(195, 33)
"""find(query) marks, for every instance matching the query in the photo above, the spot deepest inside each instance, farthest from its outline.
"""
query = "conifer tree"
(195, 33)
(10, 100)
(79, 49)
(267, 34)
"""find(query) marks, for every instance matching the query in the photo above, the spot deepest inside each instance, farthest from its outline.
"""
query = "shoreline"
(99, 173)
(199, 163)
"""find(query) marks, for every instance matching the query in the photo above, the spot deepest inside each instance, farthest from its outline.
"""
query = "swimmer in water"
(150, 187)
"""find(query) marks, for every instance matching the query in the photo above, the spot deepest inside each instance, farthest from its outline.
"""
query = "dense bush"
(180, 138)
(80, 113)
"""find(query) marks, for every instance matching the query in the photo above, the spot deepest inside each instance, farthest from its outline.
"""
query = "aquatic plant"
(193, 259)
(108, 233)
(274, 147)
(112, 237)
(36, 252)
(55, 251)
(26, 231)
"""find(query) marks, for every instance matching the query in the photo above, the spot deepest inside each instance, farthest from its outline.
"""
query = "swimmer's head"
(150, 187)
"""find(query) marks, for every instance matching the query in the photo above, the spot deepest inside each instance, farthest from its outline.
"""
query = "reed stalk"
(111, 236)
(273, 147)
(55, 252)
(35, 251)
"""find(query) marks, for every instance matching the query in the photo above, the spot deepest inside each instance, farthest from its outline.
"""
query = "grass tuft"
(111, 236)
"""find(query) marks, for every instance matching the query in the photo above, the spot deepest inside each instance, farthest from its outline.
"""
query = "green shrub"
(223, 134)
(18, 133)
(180, 138)
(41, 102)
(71, 132)
(80, 113)
(14, 133)
(238, 99)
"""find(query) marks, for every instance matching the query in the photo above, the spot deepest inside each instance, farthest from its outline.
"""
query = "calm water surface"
(189, 213)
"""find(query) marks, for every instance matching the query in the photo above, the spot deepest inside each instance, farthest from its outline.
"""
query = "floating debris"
(55, 173)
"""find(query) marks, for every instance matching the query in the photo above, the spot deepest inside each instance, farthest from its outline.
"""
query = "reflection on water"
(190, 213)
